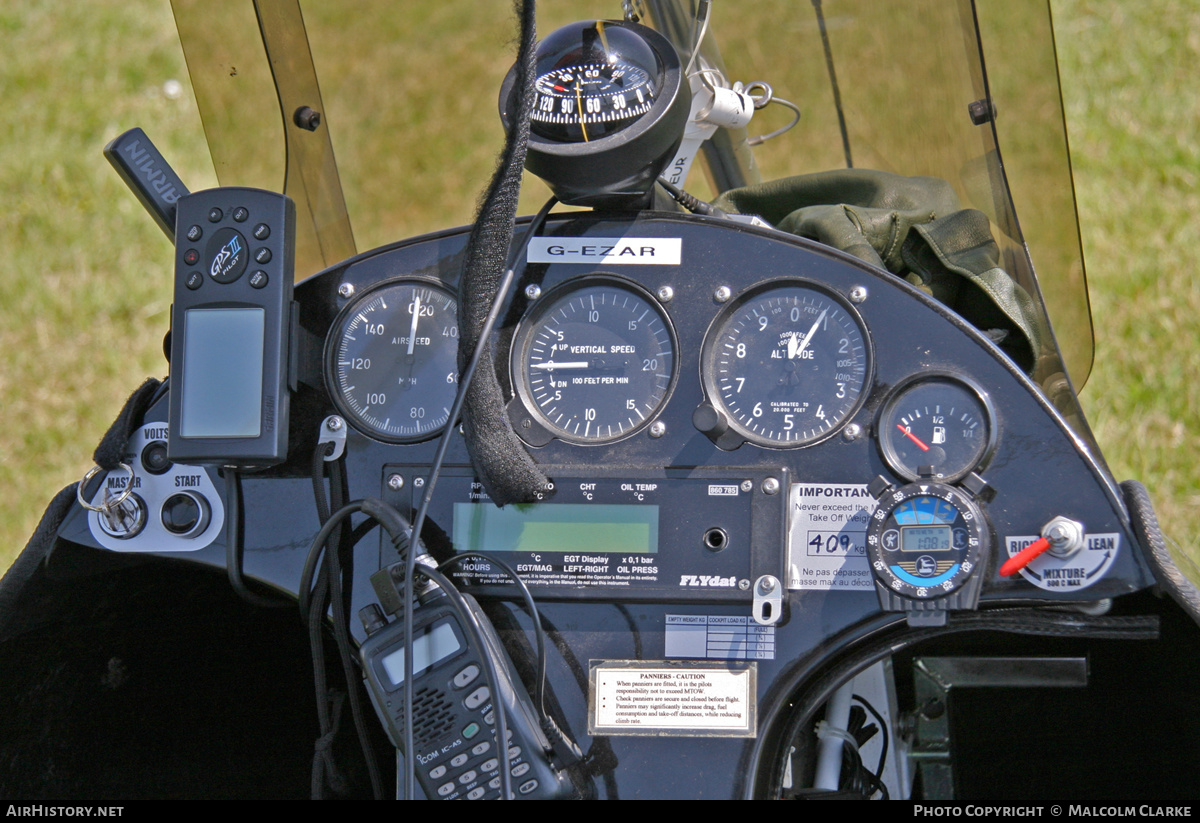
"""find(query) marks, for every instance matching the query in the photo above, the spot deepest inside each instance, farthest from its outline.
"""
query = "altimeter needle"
(808, 337)
(913, 438)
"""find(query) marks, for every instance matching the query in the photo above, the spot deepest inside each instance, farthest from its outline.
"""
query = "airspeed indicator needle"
(416, 313)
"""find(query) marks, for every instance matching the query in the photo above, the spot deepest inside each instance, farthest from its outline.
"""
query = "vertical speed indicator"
(593, 362)
(784, 365)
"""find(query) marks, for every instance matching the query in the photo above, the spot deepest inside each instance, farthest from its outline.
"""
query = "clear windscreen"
(407, 98)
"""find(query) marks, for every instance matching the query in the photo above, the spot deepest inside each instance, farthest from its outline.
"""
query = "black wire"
(436, 466)
(539, 633)
(323, 512)
(329, 590)
(837, 94)
(633, 629)
(884, 729)
(339, 557)
(323, 768)
(233, 542)
(689, 201)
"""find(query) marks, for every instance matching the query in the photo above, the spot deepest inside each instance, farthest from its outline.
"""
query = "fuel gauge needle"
(913, 438)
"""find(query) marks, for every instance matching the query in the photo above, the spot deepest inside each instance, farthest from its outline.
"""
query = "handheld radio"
(454, 710)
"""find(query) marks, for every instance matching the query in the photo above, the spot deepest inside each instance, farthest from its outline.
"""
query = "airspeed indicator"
(391, 360)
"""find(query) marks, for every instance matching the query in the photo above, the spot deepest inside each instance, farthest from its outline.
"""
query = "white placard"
(665, 698)
(717, 637)
(827, 536)
(611, 251)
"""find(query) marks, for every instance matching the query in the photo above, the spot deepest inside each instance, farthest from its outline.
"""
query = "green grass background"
(85, 283)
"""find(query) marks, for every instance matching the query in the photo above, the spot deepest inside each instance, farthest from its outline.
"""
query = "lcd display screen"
(222, 372)
(431, 647)
(925, 539)
(596, 528)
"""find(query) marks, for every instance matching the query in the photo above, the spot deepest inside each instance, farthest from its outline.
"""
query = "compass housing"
(613, 108)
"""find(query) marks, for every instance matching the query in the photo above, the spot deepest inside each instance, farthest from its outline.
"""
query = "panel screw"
(743, 584)
(665, 293)
(419, 482)
(395, 482)
(533, 291)
(747, 485)
(858, 294)
(346, 289)
(770, 486)
(334, 423)
(851, 432)
(658, 428)
(526, 423)
(722, 294)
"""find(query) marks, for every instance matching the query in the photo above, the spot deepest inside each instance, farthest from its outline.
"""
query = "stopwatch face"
(593, 362)
(924, 540)
(594, 79)
(938, 428)
(391, 360)
(786, 363)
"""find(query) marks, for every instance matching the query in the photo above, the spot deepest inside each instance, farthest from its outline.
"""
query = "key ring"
(107, 505)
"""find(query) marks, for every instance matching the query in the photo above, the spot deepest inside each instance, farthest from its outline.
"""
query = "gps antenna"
(151, 178)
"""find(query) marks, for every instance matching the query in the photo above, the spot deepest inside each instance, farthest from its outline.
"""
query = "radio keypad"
(464, 769)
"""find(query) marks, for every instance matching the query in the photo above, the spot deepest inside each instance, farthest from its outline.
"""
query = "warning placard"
(665, 698)
(827, 536)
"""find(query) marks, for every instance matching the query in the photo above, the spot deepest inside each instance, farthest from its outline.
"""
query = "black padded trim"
(1145, 522)
(35, 551)
(112, 446)
(505, 469)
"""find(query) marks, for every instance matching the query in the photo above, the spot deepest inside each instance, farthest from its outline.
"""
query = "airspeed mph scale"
(390, 360)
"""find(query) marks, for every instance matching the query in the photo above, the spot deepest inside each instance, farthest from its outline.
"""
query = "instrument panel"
(674, 345)
(722, 410)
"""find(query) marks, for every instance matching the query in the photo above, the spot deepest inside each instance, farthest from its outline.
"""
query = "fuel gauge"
(936, 427)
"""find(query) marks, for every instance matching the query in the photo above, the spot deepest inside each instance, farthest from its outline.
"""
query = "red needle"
(913, 438)
(1019, 561)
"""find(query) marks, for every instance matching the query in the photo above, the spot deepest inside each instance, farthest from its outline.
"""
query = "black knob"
(154, 457)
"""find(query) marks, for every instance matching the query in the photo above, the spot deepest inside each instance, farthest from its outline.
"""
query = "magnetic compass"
(589, 100)
(608, 112)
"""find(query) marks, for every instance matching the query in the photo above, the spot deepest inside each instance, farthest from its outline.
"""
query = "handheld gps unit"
(231, 327)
